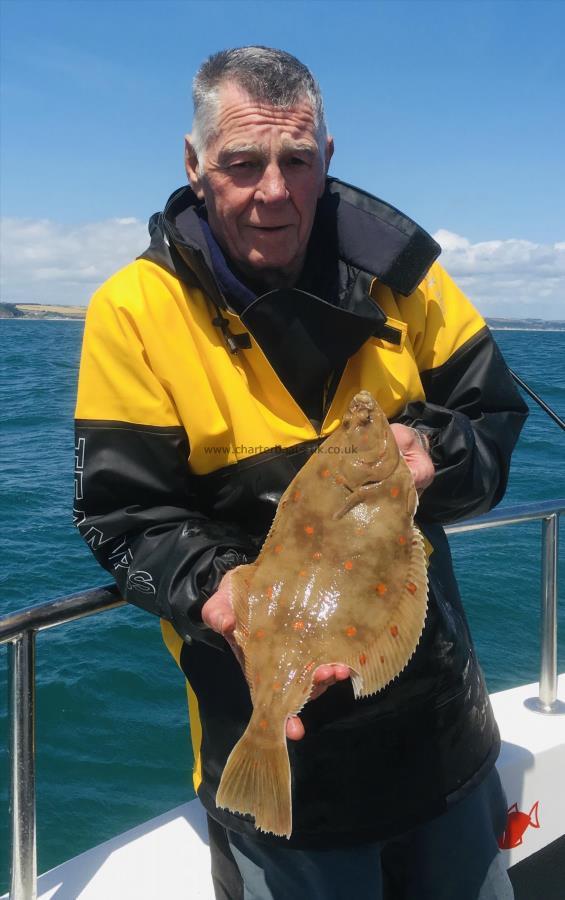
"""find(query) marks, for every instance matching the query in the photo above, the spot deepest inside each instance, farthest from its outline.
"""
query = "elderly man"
(212, 368)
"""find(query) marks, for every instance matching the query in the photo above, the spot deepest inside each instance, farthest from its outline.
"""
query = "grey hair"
(267, 75)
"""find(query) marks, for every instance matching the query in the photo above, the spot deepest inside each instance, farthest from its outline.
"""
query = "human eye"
(242, 165)
(299, 159)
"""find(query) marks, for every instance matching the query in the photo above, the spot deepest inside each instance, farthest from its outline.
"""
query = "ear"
(328, 155)
(329, 151)
(192, 167)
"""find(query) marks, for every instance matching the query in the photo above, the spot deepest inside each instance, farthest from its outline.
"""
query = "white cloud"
(509, 278)
(45, 262)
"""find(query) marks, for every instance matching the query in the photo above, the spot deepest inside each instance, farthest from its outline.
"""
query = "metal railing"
(19, 630)
(548, 511)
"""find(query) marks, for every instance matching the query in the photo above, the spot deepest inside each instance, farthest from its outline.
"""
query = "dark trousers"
(452, 857)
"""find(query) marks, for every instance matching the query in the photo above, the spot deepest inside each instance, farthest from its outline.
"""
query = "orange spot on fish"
(394, 491)
(351, 631)
(410, 586)
(269, 592)
(381, 588)
(298, 626)
(394, 630)
(362, 659)
(317, 555)
(277, 686)
(382, 659)
(325, 473)
(278, 548)
(339, 479)
(303, 573)
(296, 496)
(263, 724)
(348, 565)
(401, 539)
(260, 633)
(309, 529)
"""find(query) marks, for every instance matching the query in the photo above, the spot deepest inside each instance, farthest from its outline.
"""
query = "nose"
(272, 186)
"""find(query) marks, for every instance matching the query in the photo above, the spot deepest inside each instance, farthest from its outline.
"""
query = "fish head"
(365, 424)
(367, 442)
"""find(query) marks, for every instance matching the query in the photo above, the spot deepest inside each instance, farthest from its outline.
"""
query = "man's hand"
(415, 455)
(218, 614)
(324, 677)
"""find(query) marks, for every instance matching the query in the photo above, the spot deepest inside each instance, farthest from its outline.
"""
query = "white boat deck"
(167, 857)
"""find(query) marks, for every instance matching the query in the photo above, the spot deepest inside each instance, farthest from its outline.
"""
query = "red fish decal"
(516, 824)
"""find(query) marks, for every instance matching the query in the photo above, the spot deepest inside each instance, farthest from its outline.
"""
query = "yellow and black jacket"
(192, 418)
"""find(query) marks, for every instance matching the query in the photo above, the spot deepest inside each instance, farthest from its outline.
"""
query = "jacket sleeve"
(472, 414)
(134, 505)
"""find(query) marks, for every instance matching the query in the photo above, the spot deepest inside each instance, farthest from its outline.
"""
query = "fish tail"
(534, 815)
(256, 780)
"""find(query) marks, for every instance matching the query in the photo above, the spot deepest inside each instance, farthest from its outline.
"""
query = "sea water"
(113, 745)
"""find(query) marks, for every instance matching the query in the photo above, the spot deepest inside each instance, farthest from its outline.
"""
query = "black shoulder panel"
(473, 415)
(377, 237)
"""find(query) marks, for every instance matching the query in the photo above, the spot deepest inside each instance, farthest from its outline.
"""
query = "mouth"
(269, 228)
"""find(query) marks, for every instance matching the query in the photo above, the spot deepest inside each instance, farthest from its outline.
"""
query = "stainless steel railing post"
(548, 658)
(22, 739)
(546, 702)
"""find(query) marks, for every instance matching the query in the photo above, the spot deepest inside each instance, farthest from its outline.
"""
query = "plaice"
(341, 578)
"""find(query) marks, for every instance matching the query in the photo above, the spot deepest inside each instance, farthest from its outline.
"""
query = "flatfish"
(341, 578)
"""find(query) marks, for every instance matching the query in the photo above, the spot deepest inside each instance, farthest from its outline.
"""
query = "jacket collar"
(371, 236)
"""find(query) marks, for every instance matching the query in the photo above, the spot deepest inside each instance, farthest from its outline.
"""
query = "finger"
(322, 674)
(423, 473)
(325, 676)
(341, 673)
(404, 437)
(218, 614)
(330, 673)
(225, 622)
(294, 728)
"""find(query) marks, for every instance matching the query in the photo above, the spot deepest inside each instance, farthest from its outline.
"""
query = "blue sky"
(452, 111)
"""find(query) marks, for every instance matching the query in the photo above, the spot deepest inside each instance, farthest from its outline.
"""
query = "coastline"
(43, 311)
(46, 318)
(47, 312)
(526, 328)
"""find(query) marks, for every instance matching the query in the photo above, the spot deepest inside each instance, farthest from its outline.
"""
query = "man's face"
(261, 179)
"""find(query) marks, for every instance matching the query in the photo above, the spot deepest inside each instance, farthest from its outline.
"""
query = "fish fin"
(534, 818)
(256, 780)
(357, 682)
(513, 808)
(379, 663)
(239, 584)
(412, 500)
